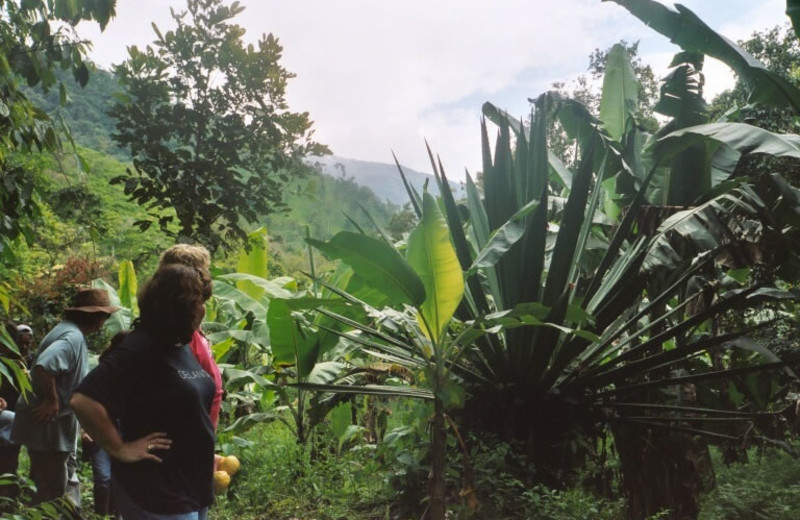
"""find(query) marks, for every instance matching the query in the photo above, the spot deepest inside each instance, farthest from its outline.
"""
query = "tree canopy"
(36, 38)
(205, 118)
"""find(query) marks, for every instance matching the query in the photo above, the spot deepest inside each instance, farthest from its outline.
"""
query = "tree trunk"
(436, 478)
(662, 470)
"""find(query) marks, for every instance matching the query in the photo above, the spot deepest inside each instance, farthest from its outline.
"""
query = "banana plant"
(551, 387)
(429, 280)
(793, 12)
(684, 28)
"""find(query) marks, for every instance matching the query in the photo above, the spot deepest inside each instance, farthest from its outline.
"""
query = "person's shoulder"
(64, 331)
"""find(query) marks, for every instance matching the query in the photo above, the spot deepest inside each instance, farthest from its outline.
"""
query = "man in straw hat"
(45, 423)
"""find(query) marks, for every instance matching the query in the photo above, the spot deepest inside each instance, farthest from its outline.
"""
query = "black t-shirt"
(150, 386)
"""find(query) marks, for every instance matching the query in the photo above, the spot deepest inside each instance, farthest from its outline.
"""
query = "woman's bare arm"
(95, 420)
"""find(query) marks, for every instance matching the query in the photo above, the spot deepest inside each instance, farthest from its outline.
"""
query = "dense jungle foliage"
(603, 327)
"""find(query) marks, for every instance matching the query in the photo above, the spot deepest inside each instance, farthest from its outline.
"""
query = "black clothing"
(149, 387)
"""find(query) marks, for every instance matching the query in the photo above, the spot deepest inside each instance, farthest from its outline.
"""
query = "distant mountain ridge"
(87, 115)
(382, 178)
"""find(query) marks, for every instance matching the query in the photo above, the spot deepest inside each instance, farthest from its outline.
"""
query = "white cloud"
(385, 75)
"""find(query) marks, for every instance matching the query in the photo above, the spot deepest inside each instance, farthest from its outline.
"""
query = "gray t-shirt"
(64, 354)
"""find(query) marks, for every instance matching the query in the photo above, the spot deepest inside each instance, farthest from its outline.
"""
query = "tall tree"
(210, 132)
(36, 37)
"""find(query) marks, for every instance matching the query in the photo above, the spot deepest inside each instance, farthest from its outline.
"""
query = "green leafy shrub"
(768, 488)
(505, 489)
(280, 479)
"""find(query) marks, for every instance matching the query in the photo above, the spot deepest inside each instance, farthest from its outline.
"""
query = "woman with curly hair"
(199, 258)
(163, 454)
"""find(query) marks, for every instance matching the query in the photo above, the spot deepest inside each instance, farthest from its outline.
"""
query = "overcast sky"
(383, 75)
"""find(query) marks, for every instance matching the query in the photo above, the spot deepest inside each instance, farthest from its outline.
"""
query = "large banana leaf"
(685, 29)
(289, 345)
(253, 260)
(620, 95)
(793, 12)
(376, 262)
(432, 256)
(744, 138)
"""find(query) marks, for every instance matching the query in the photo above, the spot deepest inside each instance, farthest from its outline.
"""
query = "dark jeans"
(101, 477)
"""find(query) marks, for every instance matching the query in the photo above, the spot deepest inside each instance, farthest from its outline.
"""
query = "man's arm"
(45, 385)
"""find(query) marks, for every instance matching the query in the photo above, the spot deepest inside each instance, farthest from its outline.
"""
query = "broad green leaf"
(235, 376)
(341, 418)
(744, 138)
(502, 239)
(288, 344)
(253, 261)
(433, 257)
(224, 291)
(326, 372)
(685, 29)
(378, 263)
(271, 288)
(620, 95)
(128, 286)
(793, 12)
(222, 348)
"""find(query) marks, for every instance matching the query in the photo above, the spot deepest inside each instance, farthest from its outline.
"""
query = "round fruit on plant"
(221, 481)
(229, 464)
(217, 460)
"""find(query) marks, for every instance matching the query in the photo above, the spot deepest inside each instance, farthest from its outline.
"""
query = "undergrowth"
(766, 488)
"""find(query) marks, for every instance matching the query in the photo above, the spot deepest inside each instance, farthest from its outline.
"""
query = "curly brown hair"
(171, 303)
(190, 256)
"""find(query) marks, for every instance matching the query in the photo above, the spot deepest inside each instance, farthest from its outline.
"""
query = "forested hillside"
(84, 200)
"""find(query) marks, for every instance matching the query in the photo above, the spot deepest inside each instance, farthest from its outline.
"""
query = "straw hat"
(92, 300)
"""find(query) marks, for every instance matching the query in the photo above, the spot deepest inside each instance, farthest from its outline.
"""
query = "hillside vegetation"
(83, 200)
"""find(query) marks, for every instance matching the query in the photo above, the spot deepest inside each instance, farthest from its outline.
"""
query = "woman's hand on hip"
(144, 448)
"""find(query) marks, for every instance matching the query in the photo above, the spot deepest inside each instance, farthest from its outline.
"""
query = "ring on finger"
(150, 447)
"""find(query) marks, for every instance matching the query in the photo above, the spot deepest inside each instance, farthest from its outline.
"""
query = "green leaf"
(744, 138)
(253, 260)
(341, 418)
(620, 96)
(685, 29)
(287, 341)
(376, 262)
(228, 292)
(432, 256)
(271, 288)
(128, 286)
(235, 376)
(502, 239)
(793, 12)
(570, 230)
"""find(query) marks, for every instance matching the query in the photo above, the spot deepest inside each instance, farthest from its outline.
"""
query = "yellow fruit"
(221, 481)
(217, 460)
(229, 465)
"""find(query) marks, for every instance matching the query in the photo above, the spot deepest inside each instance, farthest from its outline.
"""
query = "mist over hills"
(382, 178)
